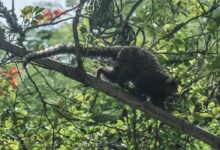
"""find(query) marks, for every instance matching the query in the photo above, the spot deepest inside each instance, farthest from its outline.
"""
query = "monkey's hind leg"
(125, 73)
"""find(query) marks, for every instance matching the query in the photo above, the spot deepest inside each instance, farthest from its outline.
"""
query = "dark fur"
(131, 64)
(144, 71)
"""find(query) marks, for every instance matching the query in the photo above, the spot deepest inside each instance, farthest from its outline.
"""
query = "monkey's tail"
(70, 49)
(59, 49)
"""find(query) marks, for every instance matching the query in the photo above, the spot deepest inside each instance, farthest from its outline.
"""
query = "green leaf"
(62, 147)
(61, 102)
(211, 105)
(167, 27)
(26, 10)
(205, 115)
(216, 13)
(46, 135)
(39, 17)
(164, 57)
(13, 96)
(216, 110)
(191, 108)
(212, 26)
(8, 124)
(215, 65)
(13, 145)
(38, 10)
(22, 112)
(179, 42)
(190, 118)
(137, 19)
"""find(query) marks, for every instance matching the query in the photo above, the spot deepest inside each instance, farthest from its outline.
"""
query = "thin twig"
(76, 37)
(132, 10)
(47, 24)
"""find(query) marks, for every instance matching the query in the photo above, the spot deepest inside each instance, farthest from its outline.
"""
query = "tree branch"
(121, 95)
(76, 37)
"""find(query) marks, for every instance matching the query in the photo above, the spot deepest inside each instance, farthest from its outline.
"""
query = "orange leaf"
(14, 71)
(58, 12)
(48, 14)
(14, 82)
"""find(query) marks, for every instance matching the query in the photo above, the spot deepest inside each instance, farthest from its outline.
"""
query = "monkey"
(144, 71)
(131, 64)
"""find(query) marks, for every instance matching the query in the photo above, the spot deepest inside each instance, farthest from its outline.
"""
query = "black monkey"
(132, 64)
(144, 71)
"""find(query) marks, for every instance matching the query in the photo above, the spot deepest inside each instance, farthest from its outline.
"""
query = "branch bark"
(76, 38)
(121, 95)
